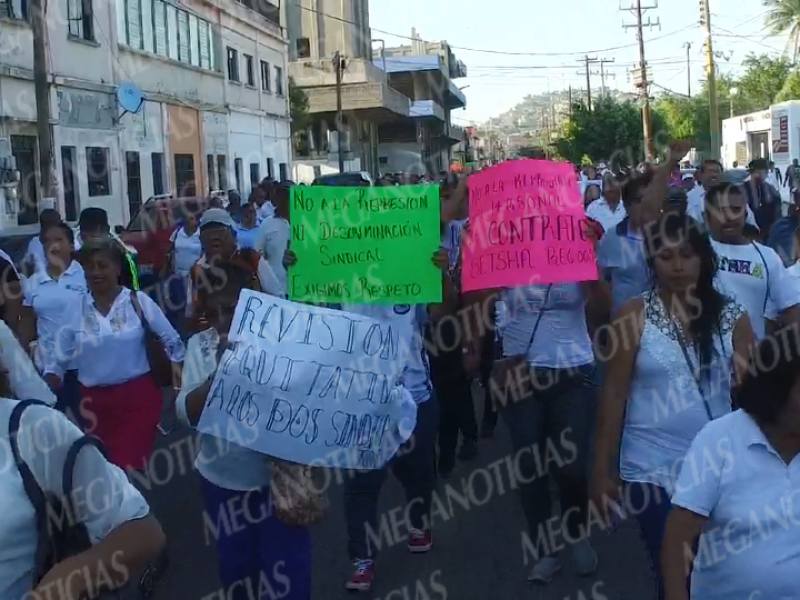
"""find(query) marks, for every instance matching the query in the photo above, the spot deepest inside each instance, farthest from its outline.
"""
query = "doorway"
(70, 182)
(24, 150)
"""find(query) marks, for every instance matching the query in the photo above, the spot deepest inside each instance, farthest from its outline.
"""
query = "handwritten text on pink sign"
(526, 227)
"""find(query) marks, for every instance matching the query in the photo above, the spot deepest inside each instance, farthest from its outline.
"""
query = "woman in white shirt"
(185, 251)
(546, 324)
(753, 274)
(738, 490)
(676, 350)
(265, 548)
(104, 337)
(58, 283)
(124, 535)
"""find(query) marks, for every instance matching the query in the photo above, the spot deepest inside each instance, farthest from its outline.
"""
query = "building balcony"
(421, 109)
(269, 10)
(432, 79)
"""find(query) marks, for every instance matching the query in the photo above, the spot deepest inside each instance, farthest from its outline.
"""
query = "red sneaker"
(361, 579)
(420, 541)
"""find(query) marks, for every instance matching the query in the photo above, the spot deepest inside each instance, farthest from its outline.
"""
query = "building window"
(233, 64)
(97, 165)
(210, 172)
(255, 174)
(303, 46)
(283, 171)
(184, 176)
(133, 175)
(265, 78)
(157, 162)
(160, 27)
(279, 81)
(222, 172)
(270, 168)
(14, 9)
(81, 19)
(238, 172)
(248, 70)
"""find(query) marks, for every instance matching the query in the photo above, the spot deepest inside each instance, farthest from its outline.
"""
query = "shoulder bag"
(160, 365)
(695, 372)
(298, 493)
(510, 378)
(60, 534)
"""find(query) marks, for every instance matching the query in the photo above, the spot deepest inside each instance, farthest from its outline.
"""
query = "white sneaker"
(544, 570)
(584, 558)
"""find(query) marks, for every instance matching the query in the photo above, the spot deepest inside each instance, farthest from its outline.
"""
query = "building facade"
(215, 110)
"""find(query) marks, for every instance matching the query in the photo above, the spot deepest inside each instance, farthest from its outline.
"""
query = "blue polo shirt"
(620, 254)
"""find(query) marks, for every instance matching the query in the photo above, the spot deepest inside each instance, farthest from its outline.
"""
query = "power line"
(684, 29)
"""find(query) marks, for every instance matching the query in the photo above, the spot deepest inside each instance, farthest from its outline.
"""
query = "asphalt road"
(477, 554)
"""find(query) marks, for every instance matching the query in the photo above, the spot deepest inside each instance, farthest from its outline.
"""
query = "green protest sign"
(365, 245)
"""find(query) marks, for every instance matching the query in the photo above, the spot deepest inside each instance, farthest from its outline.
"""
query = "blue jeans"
(552, 430)
(651, 506)
(414, 465)
(68, 397)
(255, 549)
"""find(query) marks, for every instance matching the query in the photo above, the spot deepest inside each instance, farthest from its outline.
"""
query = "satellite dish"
(130, 98)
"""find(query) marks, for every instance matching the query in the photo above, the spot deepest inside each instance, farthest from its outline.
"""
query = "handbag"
(160, 365)
(510, 378)
(60, 534)
(298, 494)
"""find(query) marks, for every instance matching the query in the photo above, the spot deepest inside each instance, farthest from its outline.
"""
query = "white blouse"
(110, 349)
(104, 497)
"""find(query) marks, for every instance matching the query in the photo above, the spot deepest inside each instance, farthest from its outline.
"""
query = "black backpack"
(60, 534)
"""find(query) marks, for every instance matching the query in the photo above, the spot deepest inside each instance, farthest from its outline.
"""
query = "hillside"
(535, 110)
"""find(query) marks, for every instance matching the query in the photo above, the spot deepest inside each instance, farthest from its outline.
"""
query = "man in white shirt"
(710, 174)
(753, 274)
(275, 232)
(608, 210)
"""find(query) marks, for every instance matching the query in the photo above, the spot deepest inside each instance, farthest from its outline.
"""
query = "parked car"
(347, 179)
(151, 227)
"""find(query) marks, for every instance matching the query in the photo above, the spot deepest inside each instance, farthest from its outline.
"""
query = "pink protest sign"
(526, 227)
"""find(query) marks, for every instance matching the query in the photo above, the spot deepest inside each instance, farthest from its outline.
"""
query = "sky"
(512, 50)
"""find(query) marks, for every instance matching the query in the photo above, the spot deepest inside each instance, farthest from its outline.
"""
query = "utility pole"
(587, 62)
(711, 74)
(603, 63)
(338, 64)
(41, 86)
(638, 10)
(688, 46)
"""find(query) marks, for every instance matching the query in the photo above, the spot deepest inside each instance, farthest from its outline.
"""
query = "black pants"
(454, 390)
(487, 362)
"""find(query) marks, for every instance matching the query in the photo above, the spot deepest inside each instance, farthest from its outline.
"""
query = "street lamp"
(732, 94)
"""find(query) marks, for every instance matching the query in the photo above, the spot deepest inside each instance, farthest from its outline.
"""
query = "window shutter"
(160, 24)
(134, 23)
(183, 39)
(205, 42)
(194, 34)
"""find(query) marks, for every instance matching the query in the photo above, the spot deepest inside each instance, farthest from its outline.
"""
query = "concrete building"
(425, 73)
(317, 30)
(215, 113)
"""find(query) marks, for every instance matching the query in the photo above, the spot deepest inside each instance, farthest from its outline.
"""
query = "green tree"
(783, 18)
(791, 88)
(298, 106)
(611, 131)
(763, 79)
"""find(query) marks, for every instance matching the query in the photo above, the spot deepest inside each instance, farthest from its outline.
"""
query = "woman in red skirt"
(106, 330)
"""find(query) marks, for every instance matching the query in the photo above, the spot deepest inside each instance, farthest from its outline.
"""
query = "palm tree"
(783, 17)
